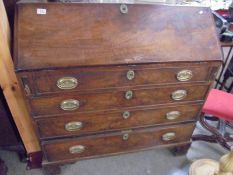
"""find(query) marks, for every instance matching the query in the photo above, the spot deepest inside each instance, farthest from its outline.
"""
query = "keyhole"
(124, 8)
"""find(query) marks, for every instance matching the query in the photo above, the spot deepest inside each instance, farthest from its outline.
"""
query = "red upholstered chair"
(219, 104)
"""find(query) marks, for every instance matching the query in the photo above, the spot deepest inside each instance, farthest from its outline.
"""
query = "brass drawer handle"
(126, 114)
(169, 136)
(67, 83)
(73, 126)
(184, 75)
(130, 75)
(69, 105)
(129, 95)
(173, 115)
(125, 136)
(179, 95)
(77, 149)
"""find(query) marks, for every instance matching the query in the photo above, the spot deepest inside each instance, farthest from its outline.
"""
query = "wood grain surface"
(113, 143)
(115, 99)
(54, 127)
(97, 44)
(85, 34)
(11, 88)
(45, 82)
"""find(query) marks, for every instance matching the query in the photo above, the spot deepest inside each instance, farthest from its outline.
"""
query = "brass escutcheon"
(73, 126)
(130, 75)
(172, 115)
(69, 105)
(77, 149)
(125, 136)
(184, 75)
(126, 114)
(123, 8)
(169, 136)
(179, 95)
(128, 95)
(67, 83)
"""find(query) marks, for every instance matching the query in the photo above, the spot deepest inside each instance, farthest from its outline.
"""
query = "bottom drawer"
(128, 140)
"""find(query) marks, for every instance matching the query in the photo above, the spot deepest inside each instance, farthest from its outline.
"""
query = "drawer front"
(80, 79)
(124, 141)
(68, 125)
(105, 100)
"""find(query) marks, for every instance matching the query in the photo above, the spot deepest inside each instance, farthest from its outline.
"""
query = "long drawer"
(118, 142)
(83, 123)
(80, 79)
(115, 99)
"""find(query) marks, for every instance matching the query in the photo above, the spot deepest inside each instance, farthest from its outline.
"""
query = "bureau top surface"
(54, 35)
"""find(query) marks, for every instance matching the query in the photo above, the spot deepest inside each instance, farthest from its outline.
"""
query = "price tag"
(41, 11)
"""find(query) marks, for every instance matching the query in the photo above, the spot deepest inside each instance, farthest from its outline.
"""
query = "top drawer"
(81, 79)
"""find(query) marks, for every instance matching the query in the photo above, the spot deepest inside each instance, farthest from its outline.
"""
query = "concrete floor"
(153, 162)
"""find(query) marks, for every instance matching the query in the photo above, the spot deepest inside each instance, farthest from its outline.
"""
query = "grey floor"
(153, 162)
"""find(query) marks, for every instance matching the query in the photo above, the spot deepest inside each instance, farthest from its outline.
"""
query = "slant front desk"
(106, 78)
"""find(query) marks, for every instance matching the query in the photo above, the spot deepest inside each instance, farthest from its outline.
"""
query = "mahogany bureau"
(106, 78)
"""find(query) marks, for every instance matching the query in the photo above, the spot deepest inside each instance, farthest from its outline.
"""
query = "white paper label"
(41, 11)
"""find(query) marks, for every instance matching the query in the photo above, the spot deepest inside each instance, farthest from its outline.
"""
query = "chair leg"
(229, 136)
(222, 127)
(202, 137)
(223, 83)
(230, 125)
(230, 88)
(216, 137)
(219, 138)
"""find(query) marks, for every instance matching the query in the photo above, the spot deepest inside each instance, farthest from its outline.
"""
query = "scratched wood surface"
(113, 142)
(96, 45)
(99, 34)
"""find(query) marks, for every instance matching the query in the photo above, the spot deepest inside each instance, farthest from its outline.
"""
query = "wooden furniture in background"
(13, 95)
(212, 167)
(10, 139)
(10, 9)
(104, 79)
(7, 134)
(3, 168)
